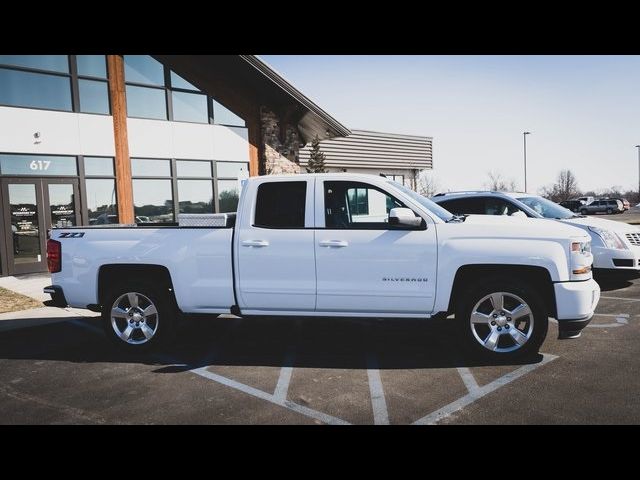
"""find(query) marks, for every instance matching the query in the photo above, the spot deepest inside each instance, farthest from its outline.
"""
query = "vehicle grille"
(634, 238)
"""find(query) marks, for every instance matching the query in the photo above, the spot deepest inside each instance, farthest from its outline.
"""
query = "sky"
(583, 112)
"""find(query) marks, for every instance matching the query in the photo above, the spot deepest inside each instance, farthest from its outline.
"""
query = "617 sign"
(40, 165)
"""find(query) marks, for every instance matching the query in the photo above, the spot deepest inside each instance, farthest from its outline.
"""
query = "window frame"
(74, 85)
(378, 226)
(308, 201)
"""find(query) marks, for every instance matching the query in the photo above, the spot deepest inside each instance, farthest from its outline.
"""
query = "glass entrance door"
(31, 208)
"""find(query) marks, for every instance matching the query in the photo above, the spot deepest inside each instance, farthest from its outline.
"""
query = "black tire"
(583, 212)
(162, 323)
(609, 211)
(514, 286)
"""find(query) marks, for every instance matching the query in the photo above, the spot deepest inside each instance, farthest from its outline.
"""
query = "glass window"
(101, 201)
(195, 196)
(98, 166)
(40, 165)
(37, 90)
(23, 212)
(146, 103)
(224, 116)
(189, 107)
(62, 205)
(55, 63)
(357, 205)
(152, 201)
(94, 96)
(143, 69)
(188, 168)
(150, 167)
(358, 201)
(464, 206)
(228, 195)
(178, 82)
(92, 65)
(281, 205)
(232, 169)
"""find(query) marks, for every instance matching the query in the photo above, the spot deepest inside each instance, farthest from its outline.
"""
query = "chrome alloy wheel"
(134, 318)
(501, 322)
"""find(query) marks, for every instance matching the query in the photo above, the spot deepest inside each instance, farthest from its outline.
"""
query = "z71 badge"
(71, 235)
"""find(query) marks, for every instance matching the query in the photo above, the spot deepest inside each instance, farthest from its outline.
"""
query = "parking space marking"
(309, 412)
(282, 388)
(468, 379)
(622, 298)
(480, 392)
(378, 402)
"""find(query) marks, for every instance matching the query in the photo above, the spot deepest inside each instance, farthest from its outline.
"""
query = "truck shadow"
(610, 281)
(273, 342)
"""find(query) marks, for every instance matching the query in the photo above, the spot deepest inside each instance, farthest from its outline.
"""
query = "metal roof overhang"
(243, 81)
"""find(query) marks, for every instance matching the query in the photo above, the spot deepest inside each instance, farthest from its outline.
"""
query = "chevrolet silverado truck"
(332, 245)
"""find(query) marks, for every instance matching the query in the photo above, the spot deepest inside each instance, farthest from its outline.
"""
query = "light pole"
(638, 147)
(524, 137)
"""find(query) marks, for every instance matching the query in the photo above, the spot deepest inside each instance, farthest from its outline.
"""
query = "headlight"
(610, 239)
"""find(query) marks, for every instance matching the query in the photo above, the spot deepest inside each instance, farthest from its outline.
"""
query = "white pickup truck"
(333, 245)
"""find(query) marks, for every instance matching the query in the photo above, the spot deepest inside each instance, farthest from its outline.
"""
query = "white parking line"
(378, 402)
(621, 298)
(280, 394)
(468, 399)
(468, 379)
(309, 412)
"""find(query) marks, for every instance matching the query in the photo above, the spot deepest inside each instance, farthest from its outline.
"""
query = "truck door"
(364, 264)
(276, 265)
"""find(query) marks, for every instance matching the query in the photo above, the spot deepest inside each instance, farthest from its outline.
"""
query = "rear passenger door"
(275, 248)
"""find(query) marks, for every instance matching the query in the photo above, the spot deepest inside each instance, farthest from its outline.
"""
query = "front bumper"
(614, 259)
(575, 305)
(57, 297)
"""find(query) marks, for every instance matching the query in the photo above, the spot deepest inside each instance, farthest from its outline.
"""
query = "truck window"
(355, 205)
(281, 205)
(462, 206)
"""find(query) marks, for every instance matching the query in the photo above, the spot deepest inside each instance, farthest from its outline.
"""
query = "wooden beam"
(254, 134)
(118, 102)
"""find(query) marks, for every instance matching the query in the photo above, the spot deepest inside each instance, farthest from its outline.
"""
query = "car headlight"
(610, 239)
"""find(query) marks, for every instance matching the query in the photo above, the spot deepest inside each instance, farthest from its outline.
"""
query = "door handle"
(334, 243)
(255, 243)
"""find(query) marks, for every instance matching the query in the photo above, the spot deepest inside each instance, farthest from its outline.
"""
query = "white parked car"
(332, 245)
(615, 245)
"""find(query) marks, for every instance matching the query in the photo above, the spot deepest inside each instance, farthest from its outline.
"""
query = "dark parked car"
(602, 206)
(573, 205)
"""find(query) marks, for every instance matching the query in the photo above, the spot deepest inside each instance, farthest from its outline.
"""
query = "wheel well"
(538, 277)
(155, 274)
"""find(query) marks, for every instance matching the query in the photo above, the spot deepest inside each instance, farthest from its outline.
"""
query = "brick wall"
(281, 146)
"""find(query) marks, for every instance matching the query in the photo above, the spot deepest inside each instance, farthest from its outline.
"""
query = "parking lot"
(324, 371)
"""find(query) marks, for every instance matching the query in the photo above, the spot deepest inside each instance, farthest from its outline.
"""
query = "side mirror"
(404, 216)
(519, 214)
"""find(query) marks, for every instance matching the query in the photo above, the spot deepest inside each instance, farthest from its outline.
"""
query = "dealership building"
(98, 139)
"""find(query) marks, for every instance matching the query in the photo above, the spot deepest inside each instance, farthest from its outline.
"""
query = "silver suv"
(603, 206)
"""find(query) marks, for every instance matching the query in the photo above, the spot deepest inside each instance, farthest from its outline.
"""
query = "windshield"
(547, 208)
(433, 207)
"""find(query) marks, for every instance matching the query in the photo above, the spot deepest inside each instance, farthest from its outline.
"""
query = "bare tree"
(427, 186)
(565, 188)
(498, 183)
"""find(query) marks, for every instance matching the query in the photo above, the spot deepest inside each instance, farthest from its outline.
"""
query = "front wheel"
(503, 319)
(583, 212)
(137, 318)
(609, 211)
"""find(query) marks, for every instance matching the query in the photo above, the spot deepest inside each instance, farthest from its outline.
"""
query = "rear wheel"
(503, 319)
(583, 211)
(136, 317)
(609, 211)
